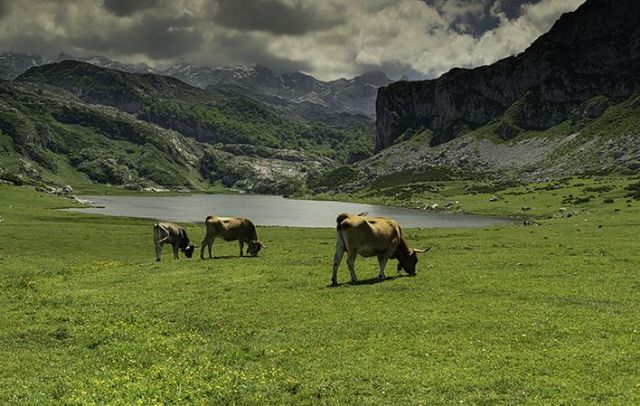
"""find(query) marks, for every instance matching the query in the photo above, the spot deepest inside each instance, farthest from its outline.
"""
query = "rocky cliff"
(594, 51)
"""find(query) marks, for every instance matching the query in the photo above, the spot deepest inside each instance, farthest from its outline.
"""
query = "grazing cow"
(231, 229)
(372, 236)
(174, 235)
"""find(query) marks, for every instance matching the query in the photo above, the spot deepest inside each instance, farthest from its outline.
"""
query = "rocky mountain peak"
(591, 52)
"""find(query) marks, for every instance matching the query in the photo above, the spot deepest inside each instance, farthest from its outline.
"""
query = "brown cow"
(231, 229)
(174, 235)
(372, 236)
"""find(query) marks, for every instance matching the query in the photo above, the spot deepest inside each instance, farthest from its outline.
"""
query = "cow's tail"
(339, 238)
(156, 233)
(340, 219)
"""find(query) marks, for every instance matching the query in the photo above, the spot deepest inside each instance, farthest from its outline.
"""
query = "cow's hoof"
(157, 259)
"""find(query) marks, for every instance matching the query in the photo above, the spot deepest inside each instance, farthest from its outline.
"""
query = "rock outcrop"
(593, 51)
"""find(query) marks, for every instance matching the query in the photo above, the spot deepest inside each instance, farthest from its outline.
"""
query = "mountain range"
(80, 121)
(568, 105)
(297, 94)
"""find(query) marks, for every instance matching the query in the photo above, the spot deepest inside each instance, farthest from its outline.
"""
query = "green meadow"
(540, 314)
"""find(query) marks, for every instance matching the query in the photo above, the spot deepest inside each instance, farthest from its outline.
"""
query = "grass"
(527, 315)
(541, 200)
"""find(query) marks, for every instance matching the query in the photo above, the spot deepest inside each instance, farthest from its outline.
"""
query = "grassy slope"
(603, 142)
(542, 200)
(542, 314)
(208, 116)
(70, 142)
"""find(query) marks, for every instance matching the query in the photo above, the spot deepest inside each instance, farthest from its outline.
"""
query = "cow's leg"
(205, 244)
(241, 247)
(175, 250)
(158, 250)
(156, 241)
(211, 247)
(382, 260)
(351, 263)
(337, 259)
(208, 243)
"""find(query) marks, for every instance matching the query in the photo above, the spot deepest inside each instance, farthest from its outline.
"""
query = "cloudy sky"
(325, 38)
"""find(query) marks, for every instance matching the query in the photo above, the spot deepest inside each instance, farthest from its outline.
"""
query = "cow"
(231, 229)
(372, 236)
(174, 235)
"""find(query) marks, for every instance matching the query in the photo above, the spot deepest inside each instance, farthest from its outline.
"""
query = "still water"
(270, 210)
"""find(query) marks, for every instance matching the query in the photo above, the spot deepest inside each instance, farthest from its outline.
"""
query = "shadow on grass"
(371, 281)
(221, 257)
(227, 257)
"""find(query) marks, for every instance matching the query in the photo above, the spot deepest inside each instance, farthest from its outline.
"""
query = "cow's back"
(215, 225)
(232, 228)
(170, 231)
(368, 236)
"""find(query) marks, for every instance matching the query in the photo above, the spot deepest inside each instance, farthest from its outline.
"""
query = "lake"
(267, 210)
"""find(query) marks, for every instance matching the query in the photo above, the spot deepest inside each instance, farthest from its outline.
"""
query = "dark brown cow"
(372, 236)
(231, 229)
(174, 235)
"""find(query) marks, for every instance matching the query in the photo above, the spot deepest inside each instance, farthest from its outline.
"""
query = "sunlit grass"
(543, 314)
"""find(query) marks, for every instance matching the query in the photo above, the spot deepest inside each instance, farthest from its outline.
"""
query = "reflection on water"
(270, 210)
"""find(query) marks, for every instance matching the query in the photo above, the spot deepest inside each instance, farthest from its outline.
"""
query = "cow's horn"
(419, 251)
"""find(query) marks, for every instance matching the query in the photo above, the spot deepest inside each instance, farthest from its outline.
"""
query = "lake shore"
(267, 210)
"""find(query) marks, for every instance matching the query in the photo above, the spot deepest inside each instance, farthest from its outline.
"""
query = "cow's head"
(408, 263)
(188, 250)
(254, 248)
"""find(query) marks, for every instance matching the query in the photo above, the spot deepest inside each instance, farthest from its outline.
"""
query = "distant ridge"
(298, 94)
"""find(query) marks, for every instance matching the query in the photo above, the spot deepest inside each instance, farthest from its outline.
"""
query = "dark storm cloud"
(271, 16)
(157, 38)
(4, 8)
(245, 49)
(513, 8)
(476, 17)
(123, 8)
(325, 38)
(29, 44)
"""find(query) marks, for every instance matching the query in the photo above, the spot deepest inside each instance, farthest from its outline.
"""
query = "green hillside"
(47, 135)
(75, 123)
(599, 138)
(214, 116)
